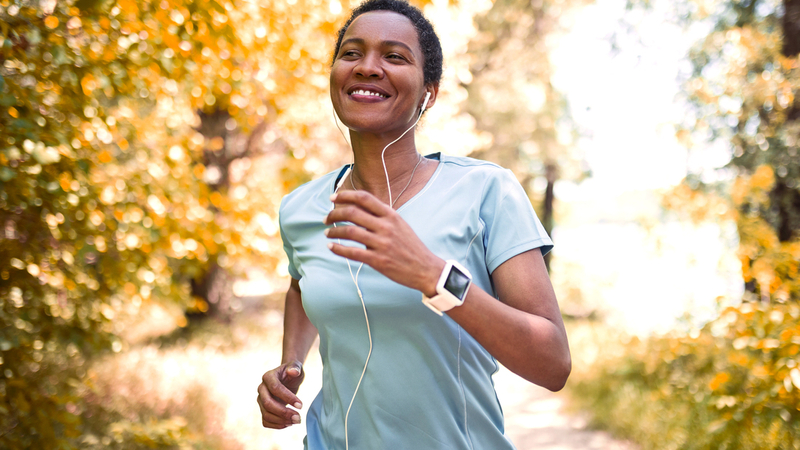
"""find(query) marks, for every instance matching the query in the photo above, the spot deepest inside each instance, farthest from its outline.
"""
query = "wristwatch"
(451, 288)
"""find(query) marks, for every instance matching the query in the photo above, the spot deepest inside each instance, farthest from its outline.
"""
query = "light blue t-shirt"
(428, 384)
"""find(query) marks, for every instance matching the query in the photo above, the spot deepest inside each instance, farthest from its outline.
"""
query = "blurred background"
(146, 145)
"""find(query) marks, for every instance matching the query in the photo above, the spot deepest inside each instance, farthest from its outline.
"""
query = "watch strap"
(435, 304)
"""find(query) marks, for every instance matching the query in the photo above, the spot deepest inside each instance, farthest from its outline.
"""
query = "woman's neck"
(368, 173)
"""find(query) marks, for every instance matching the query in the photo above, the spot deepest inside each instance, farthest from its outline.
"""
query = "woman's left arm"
(523, 330)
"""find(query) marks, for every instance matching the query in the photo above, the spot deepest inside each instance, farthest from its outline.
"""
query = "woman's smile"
(367, 94)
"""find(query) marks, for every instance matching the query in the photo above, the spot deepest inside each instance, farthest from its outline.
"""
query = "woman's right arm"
(279, 386)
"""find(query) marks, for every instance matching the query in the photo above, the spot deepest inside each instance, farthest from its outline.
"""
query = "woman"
(380, 249)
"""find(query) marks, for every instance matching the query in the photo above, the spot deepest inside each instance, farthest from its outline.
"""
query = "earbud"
(425, 103)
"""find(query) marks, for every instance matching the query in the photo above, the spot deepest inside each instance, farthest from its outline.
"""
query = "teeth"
(363, 92)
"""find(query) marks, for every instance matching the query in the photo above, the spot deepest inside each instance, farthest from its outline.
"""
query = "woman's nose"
(369, 66)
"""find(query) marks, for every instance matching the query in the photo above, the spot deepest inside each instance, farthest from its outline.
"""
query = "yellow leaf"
(760, 371)
(216, 198)
(51, 22)
(13, 112)
(720, 379)
(128, 6)
(764, 177)
(216, 143)
(88, 84)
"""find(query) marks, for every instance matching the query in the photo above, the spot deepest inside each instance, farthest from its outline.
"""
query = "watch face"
(457, 283)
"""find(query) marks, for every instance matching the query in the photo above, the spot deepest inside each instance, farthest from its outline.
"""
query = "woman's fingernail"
(327, 230)
(330, 245)
(295, 419)
(333, 197)
(298, 405)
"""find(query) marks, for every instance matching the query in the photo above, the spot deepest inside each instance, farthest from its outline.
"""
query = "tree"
(733, 383)
(126, 131)
(744, 88)
(512, 98)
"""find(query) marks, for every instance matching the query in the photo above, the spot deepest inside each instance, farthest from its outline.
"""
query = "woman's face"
(377, 82)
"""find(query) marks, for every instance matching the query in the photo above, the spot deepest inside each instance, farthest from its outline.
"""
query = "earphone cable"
(369, 335)
(369, 353)
(383, 160)
(404, 189)
(358, 271)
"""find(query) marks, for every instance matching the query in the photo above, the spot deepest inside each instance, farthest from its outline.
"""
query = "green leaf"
(7, 100)
(7, 174)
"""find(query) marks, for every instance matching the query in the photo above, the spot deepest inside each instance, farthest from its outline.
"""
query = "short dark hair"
(428, 40)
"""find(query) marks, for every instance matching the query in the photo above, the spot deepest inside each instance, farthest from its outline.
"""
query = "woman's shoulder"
(469, 163)
(473, 169)
(318, 189)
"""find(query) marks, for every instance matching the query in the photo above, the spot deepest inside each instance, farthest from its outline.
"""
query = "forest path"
(536, 419)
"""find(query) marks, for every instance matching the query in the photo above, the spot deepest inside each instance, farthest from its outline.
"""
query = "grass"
(189, 388)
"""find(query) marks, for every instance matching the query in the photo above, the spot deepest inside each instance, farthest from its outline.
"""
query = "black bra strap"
(341, 174)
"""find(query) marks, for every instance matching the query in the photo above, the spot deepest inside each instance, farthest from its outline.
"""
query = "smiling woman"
(376, 78)
(438, 283)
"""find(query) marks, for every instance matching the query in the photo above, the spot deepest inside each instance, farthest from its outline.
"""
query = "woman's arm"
(524, 330)
(279, 386)
(298, 332)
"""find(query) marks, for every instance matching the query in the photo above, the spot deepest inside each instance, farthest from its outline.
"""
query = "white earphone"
(425, 103)
(349, 268)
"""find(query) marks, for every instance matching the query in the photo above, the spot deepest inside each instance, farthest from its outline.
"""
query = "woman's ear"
(431, 92)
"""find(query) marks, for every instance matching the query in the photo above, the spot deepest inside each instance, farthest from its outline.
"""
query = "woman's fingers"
(354, 214)
(273, 411)
(352, 253)
(356, 234)
(392, 247)
(277, 389)
(273, 396)
(269, 420)
(365, 200)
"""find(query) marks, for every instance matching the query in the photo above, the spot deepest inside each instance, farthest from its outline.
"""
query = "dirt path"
(536, 419)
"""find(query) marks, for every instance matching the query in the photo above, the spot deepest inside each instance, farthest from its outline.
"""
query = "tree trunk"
(551, 174)
(784, 200)
(215, 285)
(791, 28)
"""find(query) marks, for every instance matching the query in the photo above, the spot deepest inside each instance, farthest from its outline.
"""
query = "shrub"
(734, 384)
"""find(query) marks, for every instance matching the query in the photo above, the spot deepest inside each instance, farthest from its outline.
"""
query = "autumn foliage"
(734, 383)
(129, 131)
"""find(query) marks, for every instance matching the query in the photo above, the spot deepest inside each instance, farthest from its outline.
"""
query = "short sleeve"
(287, 247)
(512, 226)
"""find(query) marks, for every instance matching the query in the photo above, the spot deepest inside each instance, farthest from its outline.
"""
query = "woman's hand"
(392, 247)
(278, 389)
